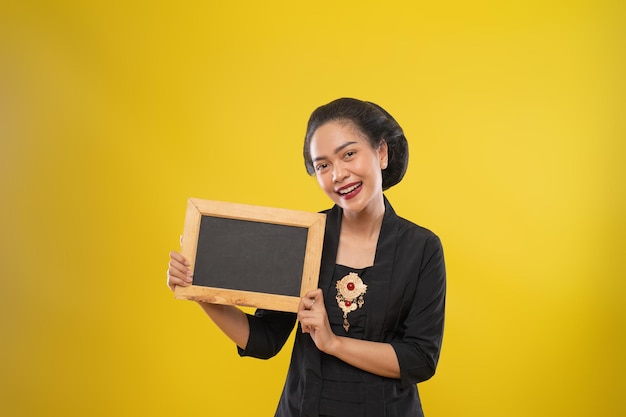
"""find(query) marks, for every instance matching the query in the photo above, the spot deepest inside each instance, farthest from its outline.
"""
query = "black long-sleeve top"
(403, 306)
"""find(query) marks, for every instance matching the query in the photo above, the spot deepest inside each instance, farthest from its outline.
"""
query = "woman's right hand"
(179, 271)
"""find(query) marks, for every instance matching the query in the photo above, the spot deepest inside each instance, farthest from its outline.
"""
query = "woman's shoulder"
(410, 228)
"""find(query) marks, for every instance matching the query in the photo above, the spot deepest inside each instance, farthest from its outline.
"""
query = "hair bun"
(397, 150)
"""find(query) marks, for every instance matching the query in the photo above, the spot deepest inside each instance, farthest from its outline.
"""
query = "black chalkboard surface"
(250, 255)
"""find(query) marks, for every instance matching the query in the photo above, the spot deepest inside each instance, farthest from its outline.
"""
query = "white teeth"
(349, 189)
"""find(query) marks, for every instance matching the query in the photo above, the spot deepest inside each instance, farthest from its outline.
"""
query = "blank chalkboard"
(263, 257)
(250, 255)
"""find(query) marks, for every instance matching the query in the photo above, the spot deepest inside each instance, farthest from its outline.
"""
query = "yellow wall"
(112, 115)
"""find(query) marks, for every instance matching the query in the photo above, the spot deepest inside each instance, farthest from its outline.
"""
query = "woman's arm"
(231, 320)
(374, 357)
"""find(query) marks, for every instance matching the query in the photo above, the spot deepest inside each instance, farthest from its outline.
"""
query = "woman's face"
(346, 166)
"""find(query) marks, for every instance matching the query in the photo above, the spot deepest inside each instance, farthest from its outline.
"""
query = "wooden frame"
(312, 223)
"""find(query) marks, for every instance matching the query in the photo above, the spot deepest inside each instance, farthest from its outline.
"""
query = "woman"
(373, 328)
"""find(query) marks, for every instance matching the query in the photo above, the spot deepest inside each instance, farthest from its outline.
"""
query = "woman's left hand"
(375, 357)
(314, 320)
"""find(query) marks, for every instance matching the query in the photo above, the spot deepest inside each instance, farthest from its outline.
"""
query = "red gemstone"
(348, 303)
(350, 286)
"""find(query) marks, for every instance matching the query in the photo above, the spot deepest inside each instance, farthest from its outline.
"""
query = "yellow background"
(112, 114)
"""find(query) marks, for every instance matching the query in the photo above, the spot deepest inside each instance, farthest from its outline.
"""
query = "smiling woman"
(112, 113)
(373, 329)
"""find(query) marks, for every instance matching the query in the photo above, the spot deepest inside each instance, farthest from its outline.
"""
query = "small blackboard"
(251, 256)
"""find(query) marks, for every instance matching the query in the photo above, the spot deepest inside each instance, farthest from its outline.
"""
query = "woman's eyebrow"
(337, 150)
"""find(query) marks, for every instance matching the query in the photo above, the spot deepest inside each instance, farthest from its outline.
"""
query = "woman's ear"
(383, 154)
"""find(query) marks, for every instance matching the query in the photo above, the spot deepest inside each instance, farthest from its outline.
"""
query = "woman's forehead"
(336, 133)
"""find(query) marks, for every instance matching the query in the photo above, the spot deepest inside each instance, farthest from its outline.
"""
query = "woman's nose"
(339, 173)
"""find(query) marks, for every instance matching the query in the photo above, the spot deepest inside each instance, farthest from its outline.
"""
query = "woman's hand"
(375, 357)
(232, 321)
(178, 272)
(314, 320)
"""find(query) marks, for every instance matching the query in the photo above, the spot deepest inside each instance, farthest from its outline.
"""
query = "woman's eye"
(349, 154)
(320, 167)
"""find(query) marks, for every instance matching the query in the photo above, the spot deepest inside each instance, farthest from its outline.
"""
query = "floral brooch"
(350, 290)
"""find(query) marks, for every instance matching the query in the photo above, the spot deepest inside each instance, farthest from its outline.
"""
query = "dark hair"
(374, 123)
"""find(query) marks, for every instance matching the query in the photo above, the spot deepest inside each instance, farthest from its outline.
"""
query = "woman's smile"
(350, 191)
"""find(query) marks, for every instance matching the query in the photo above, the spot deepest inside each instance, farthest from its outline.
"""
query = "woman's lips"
(350, 190)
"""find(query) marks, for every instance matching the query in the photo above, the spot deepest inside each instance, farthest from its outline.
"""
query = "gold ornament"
(350, 290)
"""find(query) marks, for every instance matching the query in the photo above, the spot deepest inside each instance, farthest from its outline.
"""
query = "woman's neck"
(358, 238)
(366, 223)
